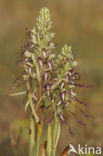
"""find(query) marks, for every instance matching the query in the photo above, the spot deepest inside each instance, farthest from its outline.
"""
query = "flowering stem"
(38, 139)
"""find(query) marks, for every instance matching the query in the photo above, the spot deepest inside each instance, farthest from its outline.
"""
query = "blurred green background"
(76, 22)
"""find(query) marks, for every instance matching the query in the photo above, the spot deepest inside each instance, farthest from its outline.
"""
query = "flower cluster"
(50, 77)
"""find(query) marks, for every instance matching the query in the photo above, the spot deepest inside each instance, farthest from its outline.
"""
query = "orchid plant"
(49, 79)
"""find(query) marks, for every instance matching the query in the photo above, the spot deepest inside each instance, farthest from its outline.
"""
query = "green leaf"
(56, 134)
(26, 105)
(33, 109)
(16, 94)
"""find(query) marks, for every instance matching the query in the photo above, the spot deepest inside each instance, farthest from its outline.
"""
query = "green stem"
(56, 134)
(49, 141)
(31, 136)
(38, 141)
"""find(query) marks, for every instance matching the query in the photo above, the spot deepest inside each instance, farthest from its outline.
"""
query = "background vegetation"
(76, 22)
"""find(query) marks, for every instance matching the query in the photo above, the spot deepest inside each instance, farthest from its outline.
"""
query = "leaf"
(33, 109)
(26, 105)
(56, 130)
(16, 94)
(56, 134)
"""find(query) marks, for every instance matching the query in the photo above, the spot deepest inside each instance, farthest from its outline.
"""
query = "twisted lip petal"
(67, 124)
(86, 115)
(80, 102)
(80, 122)
(52, 117)
(83, 85)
